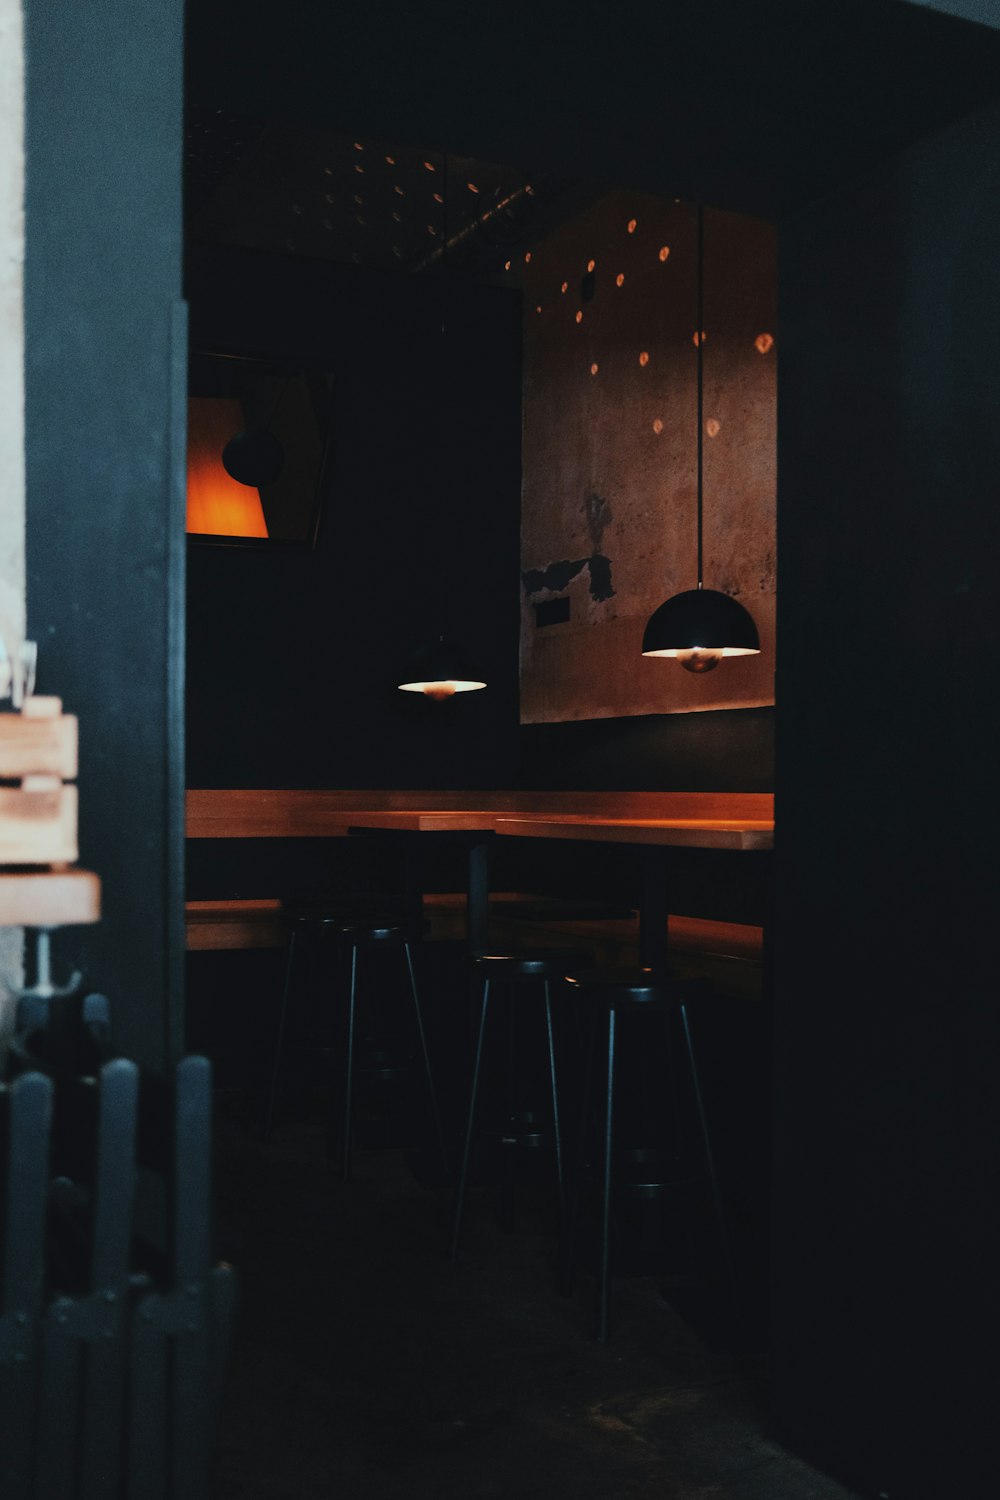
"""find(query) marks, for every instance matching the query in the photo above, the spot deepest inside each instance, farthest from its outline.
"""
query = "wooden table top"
(698, 833)
(720, 820)
(424, 819)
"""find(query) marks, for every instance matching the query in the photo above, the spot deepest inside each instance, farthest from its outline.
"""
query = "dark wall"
(105, 430)
(731, 750)
(294, 656)
(887, 1312)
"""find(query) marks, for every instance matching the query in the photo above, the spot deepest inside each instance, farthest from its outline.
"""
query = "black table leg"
(478, 894)
(653, 910)
(413, 889)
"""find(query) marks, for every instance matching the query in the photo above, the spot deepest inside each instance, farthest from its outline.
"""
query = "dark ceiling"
(299, 190)
(753, 105)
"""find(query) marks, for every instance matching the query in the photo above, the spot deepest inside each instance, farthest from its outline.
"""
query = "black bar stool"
(350, 936)
(612, 994)
(527, 974)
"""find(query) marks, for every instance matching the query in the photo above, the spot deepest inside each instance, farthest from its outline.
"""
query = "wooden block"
(38, 823)
(42, 708)
(29, 745)
(49, 898)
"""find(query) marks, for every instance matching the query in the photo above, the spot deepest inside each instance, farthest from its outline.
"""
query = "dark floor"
(366, 1367)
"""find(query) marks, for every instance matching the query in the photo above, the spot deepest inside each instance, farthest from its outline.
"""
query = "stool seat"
(635, 986)
(350, 925)
(530, 963)
(364, 933)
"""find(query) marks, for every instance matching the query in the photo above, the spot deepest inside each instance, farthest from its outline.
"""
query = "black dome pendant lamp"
(439, 668)
(700, 626)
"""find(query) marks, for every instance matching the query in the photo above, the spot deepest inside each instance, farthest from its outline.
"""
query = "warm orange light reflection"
(644, 359)
(658, 426)
(216, 504)
(591, 264)
(697, 338)
(579, 317)
(664, 252)
(594, 368)
(631, 226)
(447, 688)
(763, 343)
(564, 288)
(620, 279)
(713, 427)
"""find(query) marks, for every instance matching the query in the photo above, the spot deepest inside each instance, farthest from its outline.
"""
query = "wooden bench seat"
(234, 924)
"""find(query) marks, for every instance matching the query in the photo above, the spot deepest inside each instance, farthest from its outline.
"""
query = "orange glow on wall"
(216, 504)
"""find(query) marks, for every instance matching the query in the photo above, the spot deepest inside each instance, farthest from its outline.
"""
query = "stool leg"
(509, 1138)
(345, 1143)
(426, 1057)
(556, 1132)
(279, 1044)
(463, 1171)
(604, 1273)
(706, 1145)
(576, 1189)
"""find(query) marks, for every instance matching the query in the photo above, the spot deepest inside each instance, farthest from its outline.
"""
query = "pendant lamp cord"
(701, 368)
(444, 241)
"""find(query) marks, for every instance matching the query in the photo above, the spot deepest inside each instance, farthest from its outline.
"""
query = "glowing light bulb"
(699, 659)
